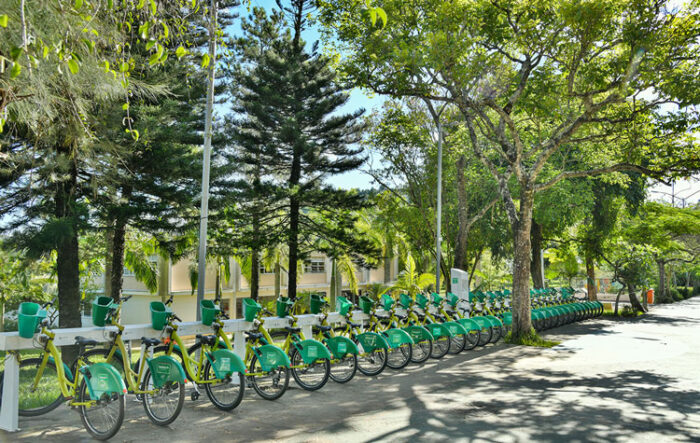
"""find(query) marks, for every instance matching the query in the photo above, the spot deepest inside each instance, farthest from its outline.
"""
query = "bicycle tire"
(299, 373)
(471, 340)
(373, 363)
(440, 347)
(259, 389)
(399, 357)
(115, 422)
(208, 372)
(46, 408)
(484, 337)
(426, 348)
(457, 343)
(170, 387)
(344, 377)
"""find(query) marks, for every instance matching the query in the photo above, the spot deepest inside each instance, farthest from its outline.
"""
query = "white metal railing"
(11, 341)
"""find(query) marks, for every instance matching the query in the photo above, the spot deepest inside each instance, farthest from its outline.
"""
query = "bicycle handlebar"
(169, 301)
(49, 303)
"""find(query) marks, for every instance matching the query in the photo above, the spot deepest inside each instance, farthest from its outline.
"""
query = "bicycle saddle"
(149, 341)
(292, 330)
(82, 341)
(323, 328)
(208, 340)
(254, 335)
(354, 325)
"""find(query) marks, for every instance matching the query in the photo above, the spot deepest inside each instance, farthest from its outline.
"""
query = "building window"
(128, 272)
(264, 270)
(315, 266)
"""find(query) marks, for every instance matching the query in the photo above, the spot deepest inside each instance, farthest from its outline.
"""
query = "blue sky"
(358, 99)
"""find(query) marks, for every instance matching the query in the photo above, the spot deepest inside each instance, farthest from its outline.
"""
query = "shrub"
(684, 292)
(696, 290)
(661, 298)
(675, 295)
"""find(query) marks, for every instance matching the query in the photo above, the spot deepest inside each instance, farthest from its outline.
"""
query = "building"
(316, 278)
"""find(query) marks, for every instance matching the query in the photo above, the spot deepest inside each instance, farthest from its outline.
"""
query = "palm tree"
(410, 281)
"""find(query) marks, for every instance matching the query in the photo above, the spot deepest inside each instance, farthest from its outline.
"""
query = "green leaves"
(205, 60)
(180, 52)
(15, 70)
(3, 20)
(73, 66)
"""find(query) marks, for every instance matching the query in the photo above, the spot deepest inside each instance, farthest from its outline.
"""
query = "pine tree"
(290, 133)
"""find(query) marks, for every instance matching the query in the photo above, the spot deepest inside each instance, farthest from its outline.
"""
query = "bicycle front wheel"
(226, 393)
(269, 385)
(311, 376)
(39, 388)
(163, 404)
(103, 418)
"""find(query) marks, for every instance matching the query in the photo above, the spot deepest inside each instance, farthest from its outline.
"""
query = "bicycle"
(400, 342)
(442, 336)
(97, 391)
(310, 359)
(159, 383)
(216, 368)
(472, 328)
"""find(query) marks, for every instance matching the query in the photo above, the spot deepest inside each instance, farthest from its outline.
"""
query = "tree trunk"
(255, 274)
(522, 323)
(590, 278)
(163, 278)
(117, 279)
(2, 314)
(662, 280)
(617, 299)
(278, 278)
(388, 259)
(460, 260)
(109, 240)
(334, 282)
(67, 257)
(634, 301)
(536, 263)
(293, 244)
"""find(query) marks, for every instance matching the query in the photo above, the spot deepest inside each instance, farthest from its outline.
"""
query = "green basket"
(436, 299)
(159, 315)
(452, 299)
(284, 304)
(342, 305)
(209, 312)
(250, 309)
(387, 302)
(316, 303)
(405, 300)
(422, 301)
(100, 309)
(28, 318)
(366, 304)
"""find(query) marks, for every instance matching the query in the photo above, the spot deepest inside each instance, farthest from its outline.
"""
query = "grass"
(625, 312)
(531, 339)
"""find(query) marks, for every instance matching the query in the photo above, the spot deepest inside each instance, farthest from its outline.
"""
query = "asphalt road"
(608, 380)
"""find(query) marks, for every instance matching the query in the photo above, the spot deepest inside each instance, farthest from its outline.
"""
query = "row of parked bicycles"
(390, 332)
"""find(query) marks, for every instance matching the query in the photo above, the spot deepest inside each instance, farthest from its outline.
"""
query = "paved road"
(608, 380)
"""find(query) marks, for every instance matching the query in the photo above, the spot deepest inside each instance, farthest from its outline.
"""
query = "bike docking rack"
(12, 343)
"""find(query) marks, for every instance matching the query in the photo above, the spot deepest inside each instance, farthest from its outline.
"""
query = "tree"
(289, 100)
(533, 81)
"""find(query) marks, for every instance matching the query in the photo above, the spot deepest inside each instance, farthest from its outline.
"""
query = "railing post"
(239, 344)
(9, 420)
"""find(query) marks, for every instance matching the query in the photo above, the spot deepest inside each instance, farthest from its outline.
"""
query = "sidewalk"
(609, 380)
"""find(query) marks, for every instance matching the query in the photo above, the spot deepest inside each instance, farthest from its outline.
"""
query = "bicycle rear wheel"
(270, 385)
(372, 363)
(102, 419)
(399, 357)
(165, 404)
(421, 351)
(441, 346)
(457, 343)
(226, 394)
(471, 340)
(38, 393)
(343, 370)
(484, 337)
(311, 376)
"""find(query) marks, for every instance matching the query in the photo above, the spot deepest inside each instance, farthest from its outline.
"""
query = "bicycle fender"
(164, 369)
(271, 357)
(340, 346)
(369, 341)
(439, 330)
(418, 333)
(101, 379)
(312, 350)
(455, 328)
(225, 363)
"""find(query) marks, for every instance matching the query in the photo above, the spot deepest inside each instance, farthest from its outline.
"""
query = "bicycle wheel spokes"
(103, 418)
(225, 393)
(372, 363)
(162, 405)
(39, 388)
(399, 357)
(269, 385)
(309, 376)
(421, 351)
(343, 370)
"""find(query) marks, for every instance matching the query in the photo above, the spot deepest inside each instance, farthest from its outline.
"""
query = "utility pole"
(438, 237)
(204, 210)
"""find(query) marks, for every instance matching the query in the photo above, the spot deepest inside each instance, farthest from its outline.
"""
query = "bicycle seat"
(209, 340)
(381, 316)
(354, 325)
(82, 341)
(149, 341)
(292, 330)
(324, 328)
(254, 335)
